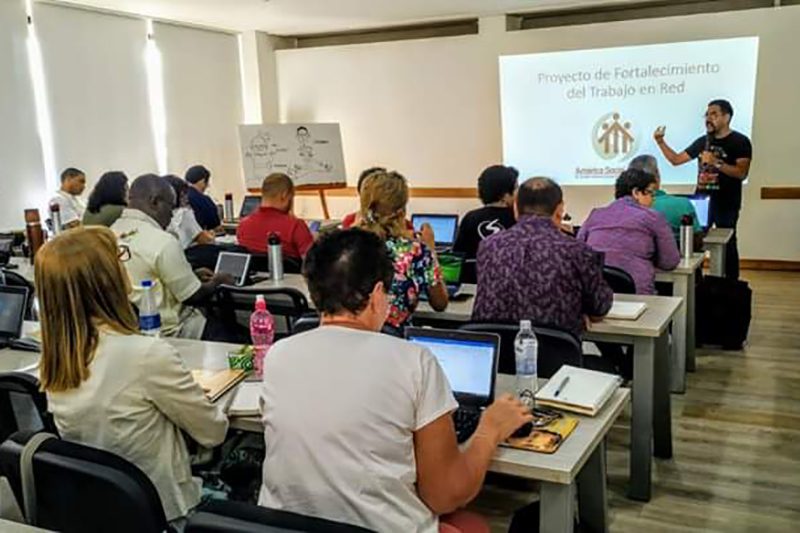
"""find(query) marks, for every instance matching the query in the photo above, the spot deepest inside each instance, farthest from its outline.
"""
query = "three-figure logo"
(613, 139)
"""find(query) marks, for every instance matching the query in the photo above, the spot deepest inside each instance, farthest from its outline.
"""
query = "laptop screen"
(468, 364)
(451, 265)
(12, 311)
(249, 204)
(701, 203)
(444, 227)
(234, 264)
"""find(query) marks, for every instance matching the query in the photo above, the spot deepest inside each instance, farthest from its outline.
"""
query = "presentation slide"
(580, 116)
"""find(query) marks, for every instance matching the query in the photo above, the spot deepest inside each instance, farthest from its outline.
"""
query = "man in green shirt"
(674, 208)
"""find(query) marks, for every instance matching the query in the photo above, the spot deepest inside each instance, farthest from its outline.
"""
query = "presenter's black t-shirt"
(481, 224)
(729, 148)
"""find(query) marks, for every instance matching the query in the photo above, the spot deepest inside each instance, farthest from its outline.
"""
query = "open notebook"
(626, 310)
(581, 391)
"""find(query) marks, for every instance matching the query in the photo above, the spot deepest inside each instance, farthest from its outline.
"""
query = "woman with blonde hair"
(384, 196)
(107, 386)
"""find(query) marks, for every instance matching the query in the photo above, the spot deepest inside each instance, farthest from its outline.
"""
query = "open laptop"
(469, 361)
(452, 265)
(235, 264)
(13, 302)
(701, 204)
(444, 228)
(249, 204)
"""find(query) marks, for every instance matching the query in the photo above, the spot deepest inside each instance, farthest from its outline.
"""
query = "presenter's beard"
(710, 128)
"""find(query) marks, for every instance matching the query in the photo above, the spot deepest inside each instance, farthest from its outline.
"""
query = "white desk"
(579, 461)
(651, 421)
(683, 327)
(715, 243)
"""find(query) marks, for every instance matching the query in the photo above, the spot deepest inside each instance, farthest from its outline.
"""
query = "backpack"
(723, 312)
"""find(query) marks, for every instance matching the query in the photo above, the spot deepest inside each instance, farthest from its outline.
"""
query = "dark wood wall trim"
(780, 193)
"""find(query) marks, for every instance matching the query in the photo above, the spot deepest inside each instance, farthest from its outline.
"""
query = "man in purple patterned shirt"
(535, 272)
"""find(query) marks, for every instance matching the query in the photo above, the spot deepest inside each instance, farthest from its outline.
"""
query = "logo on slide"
(614, 138)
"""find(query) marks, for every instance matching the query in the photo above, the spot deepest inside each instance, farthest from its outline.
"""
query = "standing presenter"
(724, 157)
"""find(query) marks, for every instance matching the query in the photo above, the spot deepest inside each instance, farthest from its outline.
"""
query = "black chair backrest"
(14, 279)
(236, 304)
(23, 407)
(620, 281)
(260, 263)
(85, 490)
(306, 323)
(237, 517)
(556, 347)
(469, 272)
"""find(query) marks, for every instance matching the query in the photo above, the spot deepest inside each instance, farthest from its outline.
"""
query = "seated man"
(275, 216)
(535, 272)
(496, 187)
(674, 208)
(381, 452)
(205, 210)
(73, 183)
(157, 256)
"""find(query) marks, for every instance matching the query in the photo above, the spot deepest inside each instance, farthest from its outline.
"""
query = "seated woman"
(109, 197)
(377, 449)
(107, 386)
(350, 220)
(384, 196)
(184, 225)
(633, 237)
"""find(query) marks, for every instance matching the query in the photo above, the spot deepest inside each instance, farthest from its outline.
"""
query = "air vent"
(394, 33)
(630, 11)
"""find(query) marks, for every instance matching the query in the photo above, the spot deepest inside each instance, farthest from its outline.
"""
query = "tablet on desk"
(235, 264)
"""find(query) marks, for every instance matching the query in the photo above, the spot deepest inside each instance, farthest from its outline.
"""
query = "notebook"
(246, 400)
(547, 439)
(579, 390)
(215, 383)
(627, 310)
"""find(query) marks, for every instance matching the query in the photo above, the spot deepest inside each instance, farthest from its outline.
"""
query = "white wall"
(430, 108)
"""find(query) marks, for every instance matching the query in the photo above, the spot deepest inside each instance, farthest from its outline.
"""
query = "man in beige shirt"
(158, 256)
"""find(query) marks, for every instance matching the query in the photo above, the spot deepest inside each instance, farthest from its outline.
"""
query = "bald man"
(275, 216)
(157, 256)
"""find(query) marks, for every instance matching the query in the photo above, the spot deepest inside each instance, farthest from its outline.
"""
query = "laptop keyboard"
(466, 422)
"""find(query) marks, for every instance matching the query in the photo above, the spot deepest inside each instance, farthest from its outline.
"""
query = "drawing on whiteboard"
(306, 162)
(311, 154)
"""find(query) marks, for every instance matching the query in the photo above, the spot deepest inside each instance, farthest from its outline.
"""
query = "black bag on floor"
(723, 312)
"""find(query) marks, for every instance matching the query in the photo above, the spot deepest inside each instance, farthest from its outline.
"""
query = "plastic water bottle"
(262, 332)
(149, 317)
(526, 351)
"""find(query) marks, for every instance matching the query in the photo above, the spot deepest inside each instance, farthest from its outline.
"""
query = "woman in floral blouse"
(384, 196)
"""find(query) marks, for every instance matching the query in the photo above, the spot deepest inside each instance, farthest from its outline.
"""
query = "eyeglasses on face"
(123, 253)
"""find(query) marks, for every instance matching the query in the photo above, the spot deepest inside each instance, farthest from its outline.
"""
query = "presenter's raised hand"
(658, 135)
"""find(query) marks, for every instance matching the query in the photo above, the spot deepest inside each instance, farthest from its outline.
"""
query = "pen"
(561, 387)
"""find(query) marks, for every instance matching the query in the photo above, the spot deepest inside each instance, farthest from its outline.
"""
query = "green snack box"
(241, 359)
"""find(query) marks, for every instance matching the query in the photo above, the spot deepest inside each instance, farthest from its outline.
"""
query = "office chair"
(556, 347)
(306, 323)
(238, 517)
(234, 305)
(260, 263)
(23, 407)
(80, 489)
(620, 281)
